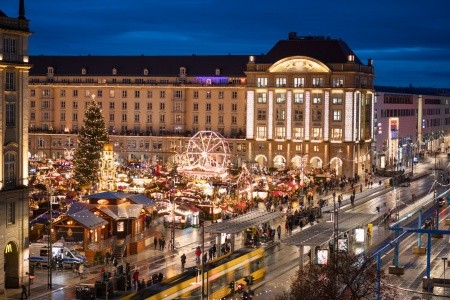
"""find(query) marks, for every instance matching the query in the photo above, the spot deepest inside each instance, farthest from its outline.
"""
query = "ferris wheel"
(207, 150)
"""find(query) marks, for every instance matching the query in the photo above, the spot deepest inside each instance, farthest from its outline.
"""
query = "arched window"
(114, 71)
(83, 71)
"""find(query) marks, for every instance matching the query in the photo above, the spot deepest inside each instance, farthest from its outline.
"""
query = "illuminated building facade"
(14, 211)
(409, 122)
(309, 101)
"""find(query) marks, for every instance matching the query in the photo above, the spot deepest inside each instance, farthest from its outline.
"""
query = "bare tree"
(352, 277)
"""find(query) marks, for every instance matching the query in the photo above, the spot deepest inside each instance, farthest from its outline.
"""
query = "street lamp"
(49, 241)
(172, 233)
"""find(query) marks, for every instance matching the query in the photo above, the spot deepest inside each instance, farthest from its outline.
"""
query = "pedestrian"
(205, 258)
(214, 249)
(155, 242)
(210, 253)
(279, 231)
(198, 252)
(107, 258)
(183, 262)
(142, 286)
(81, 270)
(24, 292)
(136, 278)
(160, 277)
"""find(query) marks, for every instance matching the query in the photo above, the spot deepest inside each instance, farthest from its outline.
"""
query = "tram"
(219, 274)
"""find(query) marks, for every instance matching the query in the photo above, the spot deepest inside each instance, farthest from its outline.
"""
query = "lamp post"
(50, 250)
(444, 259)
(172, 232)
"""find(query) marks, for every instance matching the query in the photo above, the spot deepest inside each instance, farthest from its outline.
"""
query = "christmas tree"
(91, 138)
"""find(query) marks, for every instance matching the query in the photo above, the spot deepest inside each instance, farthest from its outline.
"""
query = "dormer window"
(182, 71)
(114, 71)
(217, 72)
(351, 58)
(50, 71)
(83, 71)
(145, 72)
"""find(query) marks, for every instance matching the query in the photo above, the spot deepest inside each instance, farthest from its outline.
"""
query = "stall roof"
(88, 219)
(107, 195)
(141, 199)
(321, 233)
(122, 211)
(243, 222)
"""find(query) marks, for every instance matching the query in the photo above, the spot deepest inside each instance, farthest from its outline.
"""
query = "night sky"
(409, 40)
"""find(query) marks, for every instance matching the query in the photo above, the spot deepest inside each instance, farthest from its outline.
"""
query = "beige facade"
(282, 109)
(14, 114)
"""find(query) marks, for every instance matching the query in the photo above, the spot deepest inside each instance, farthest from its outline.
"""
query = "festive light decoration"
(270, 117)
(250, 114)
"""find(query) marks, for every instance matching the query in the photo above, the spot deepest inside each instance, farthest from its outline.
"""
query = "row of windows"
(298, 133)
(298, 82)
(387, 113)
(46, 104)
(178, 119)
(297, 115)
(137, 94)
(9, 45)
(299, 98)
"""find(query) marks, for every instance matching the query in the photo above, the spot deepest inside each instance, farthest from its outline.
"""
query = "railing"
(105, 244)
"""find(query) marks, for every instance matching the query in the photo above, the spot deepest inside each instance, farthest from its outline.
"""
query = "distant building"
(14, 114)
(309, 101)
(409, 122)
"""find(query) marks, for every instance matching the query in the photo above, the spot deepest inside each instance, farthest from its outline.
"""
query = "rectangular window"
(149, 106)
(63, 104)
(137, 106)
(338, 82)
(75, 105)
(162, 118)
(111, 105)
(112, 93)
(178, 94)
(136, 118)
(33, 116)
(75, 117)
(149, 94)
(62, 116)
(137, 94)
(149, 118)
(280, 147)
(298, 115)
(10, 114)
(220, 119)
(261, 82)
(281, 97)
(162, 94)
(336, 133)
(280, 132)
(195, 94)
(75, 93)
(298, 98)
(261, 132)
(11, 218)
(262, 97)
(99, 93)
(124, 94)
(124, 105)
(234, 95)
(316, 133)
(316, 115)
(195, 106)
(337, 115)
(62, 93)
(233, 120)
(111, 117)
(9, 83)
(317, 98)
(124, 117)
(280, 82)
(234, 107)
(208, 119)
(208, 95)
(261, 115)
(299, 82)
(317, 82)
(32, 93)
(195, 119)
(336, 98)
(208, 106)
(280, 115)
(298, 133)
(162, 106)
(220, 94)
(221, 106)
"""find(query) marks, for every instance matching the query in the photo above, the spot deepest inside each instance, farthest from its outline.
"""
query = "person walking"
(24, 294)
(136, 279)
(155, 242)
(279, 231)
(198, 252)
(183, 262)
(81, 270)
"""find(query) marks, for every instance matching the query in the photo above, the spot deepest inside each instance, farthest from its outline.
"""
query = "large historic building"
(14, 113)
(307, 103)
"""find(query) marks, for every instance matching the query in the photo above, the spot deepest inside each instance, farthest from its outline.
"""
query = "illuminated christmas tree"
(91, 138)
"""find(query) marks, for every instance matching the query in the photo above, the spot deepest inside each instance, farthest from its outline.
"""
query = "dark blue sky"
(409, 40)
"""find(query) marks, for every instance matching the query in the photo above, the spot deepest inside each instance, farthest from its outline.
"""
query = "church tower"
(14, 113)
